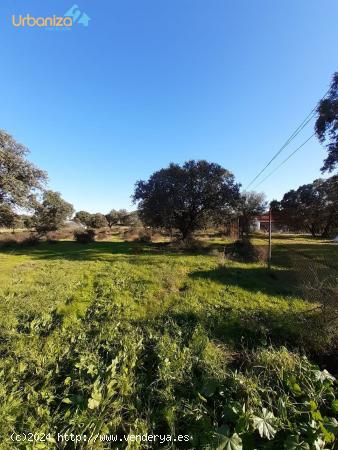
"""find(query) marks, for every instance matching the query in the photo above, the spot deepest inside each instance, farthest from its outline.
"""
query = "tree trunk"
(325, 232)
(186, 234)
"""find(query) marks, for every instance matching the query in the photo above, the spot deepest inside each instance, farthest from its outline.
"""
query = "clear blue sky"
(154, 81)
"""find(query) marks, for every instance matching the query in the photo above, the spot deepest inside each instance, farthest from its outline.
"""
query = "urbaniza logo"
(74, 16)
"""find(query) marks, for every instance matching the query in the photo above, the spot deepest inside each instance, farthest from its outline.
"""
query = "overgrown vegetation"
(84, 236)
(124, 337)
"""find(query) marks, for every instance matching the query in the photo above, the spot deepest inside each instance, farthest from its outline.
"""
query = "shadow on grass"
(70, 250)
(102, 250)
(238, 329)
(289, 255)
(254, 279)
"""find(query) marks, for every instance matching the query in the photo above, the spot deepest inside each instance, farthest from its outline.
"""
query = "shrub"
(84, 236)
(137, 235)
(62, 233)
(244, 251)
(101, 235)
(318, 283)
(144, 237)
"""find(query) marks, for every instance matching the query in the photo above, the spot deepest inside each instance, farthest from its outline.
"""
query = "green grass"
(156, 282)
(233, 299)
(53, 291)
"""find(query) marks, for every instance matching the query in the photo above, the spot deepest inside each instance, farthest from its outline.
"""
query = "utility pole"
(270, 249)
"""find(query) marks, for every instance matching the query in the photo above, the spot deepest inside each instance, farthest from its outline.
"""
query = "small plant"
(84, 237)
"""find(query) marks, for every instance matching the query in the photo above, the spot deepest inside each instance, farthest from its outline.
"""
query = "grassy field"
(169, 325)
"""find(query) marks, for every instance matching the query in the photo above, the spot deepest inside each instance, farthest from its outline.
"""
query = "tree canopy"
(51, 213)
(8, 218)
(250, 205)
(326, 126)
(83, 217)
(312, 207)
(98, 220)
(185, 197)
(117, 217)
(20, 180)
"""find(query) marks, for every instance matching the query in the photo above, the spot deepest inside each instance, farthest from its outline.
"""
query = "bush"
(62, 233)
(244, 251)
(138, 235)
(318, 283)
(144, 237)
(84, 236)
(102, 235)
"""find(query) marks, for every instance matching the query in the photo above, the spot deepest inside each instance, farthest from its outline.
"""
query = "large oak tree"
(52, 212)
(20, 180)
(186, 197)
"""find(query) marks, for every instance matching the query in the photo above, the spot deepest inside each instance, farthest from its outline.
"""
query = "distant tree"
(8, 219)
(251, 204)
(312, 207)
(20, 180)
(331, 209)
(117, 217)
(51, 213)
(275, 206)
(185, 197)
(134, 219)
(98, 220)
(84, 218)
(326, 126)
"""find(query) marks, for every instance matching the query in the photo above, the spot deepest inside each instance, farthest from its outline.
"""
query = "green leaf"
(293, 442)
(225, 442)
(323, 375)
(92, 403)
(334, 406)
(294, 386)
(67, 400)
(231, 412)
(296, 389)
(317, 416)
(264, 424)
(331, 425)
(313, 405)
(209, 388)
(67, 381)
(319, 444)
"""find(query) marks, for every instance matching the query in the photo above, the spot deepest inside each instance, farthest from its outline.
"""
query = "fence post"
(270, 249)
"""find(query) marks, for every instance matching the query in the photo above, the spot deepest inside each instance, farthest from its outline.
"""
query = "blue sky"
(154, 81)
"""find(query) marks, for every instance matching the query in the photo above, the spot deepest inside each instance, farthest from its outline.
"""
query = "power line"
(285, 160)
(300, 127)
(308, 118)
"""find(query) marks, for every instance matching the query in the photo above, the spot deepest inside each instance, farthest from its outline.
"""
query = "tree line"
(312, 207)
(184, 198)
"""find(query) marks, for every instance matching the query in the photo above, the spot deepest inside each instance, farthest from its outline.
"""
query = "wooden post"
(270, 249)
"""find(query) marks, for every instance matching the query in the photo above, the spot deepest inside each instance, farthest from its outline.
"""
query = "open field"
(123, 336)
